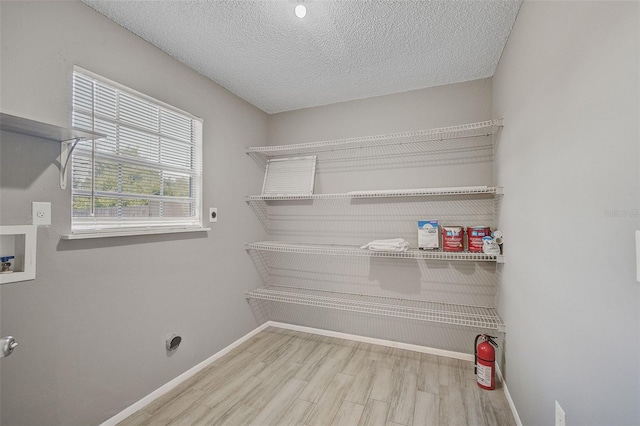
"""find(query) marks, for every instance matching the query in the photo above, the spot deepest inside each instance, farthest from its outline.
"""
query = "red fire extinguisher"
(485, 361)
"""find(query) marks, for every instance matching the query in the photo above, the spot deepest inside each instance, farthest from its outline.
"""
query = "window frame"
(123, 223)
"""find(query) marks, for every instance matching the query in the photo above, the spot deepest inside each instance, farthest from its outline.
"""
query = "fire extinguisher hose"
(475, 354)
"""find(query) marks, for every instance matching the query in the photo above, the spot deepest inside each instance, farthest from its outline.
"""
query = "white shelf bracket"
(66, 148)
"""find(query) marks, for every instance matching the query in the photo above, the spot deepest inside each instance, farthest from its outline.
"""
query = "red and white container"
(474, 237)
(453, 238)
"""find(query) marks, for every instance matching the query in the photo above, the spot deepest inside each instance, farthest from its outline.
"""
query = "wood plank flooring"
(283, 377)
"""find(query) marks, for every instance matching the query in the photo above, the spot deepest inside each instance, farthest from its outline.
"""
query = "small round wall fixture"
(173, 341)
(300, 11)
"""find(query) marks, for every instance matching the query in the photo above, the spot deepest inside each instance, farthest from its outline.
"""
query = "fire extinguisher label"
(484, 375)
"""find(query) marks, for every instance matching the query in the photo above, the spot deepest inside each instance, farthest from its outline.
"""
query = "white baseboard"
(181, 378)
(374, 341)
(508, 396)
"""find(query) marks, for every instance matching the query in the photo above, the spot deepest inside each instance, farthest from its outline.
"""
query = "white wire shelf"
(387, 193)
(348, 250)
(446, 313)
(483, 128)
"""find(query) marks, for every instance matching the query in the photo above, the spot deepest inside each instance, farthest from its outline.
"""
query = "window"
(146, 176)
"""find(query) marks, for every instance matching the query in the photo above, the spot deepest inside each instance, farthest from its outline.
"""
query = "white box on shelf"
(428, 235)
(19, 241)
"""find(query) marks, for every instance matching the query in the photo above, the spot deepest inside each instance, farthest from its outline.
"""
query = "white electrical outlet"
(213, 214)
(40, 213)
(559, 415)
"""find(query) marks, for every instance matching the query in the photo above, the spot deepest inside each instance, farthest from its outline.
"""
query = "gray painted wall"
(416, 110)
(92, 325)
(567, 86)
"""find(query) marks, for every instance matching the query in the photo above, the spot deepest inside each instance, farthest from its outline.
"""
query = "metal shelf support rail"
(445, 313)
(346, 250)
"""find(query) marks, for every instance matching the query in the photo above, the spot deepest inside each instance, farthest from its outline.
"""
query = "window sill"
(129, 233)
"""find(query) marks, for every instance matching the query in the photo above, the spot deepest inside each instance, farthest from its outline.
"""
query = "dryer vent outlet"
(173, 342)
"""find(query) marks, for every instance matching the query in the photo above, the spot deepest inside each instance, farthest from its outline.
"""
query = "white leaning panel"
(289, 176)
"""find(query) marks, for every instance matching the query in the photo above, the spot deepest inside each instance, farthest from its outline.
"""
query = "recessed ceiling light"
(300, 11)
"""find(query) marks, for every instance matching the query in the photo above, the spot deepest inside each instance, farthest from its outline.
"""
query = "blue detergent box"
(428, 235)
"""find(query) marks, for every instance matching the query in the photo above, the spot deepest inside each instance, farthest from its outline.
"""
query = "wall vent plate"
(173, 342)
(289, 176)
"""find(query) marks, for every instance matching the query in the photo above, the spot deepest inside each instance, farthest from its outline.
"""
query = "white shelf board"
(446, 313)
(26, 126)
(483, 128)
(347, 250)
(414, 192)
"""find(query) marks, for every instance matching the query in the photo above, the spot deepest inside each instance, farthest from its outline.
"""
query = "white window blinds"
(146, 175)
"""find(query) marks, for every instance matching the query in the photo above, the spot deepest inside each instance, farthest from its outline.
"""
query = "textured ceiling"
(342, 50)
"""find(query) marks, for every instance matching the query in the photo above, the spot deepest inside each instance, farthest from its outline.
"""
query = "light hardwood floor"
(283, 377)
